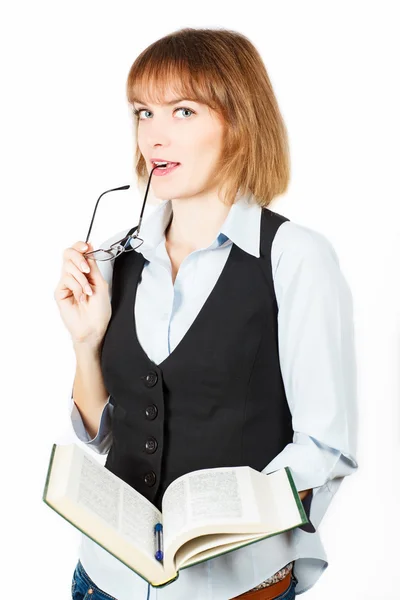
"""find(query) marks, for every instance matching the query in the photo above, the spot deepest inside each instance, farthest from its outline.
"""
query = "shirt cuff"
(314, 466)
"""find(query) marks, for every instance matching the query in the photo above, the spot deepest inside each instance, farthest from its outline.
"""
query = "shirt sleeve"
(102, 441)
(317, 359)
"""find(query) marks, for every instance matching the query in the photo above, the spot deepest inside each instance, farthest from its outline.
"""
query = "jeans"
(82, 584)
(83, 588)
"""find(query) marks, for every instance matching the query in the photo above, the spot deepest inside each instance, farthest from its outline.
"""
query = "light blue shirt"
(317, 359)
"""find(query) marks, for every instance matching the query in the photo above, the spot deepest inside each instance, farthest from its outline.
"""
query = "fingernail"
(88, 290)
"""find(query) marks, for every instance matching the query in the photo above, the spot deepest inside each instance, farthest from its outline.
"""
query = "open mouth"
(166, 169)
(165, 165)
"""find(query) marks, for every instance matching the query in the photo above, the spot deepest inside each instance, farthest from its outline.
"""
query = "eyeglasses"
(131, 241)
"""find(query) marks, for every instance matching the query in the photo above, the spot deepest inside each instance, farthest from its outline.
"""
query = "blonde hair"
(222, 69)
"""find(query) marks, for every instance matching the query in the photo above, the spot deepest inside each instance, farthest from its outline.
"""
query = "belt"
(267, 593)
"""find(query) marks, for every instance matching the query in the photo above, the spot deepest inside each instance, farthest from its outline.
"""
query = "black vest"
(218, 399)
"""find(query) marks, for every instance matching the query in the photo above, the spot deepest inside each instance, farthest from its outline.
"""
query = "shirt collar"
(241, 226)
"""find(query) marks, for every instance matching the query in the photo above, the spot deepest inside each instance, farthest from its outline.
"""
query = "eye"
(137, 112)
(187, 109)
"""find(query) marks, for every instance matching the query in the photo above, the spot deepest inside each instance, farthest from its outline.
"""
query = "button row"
(151, 412)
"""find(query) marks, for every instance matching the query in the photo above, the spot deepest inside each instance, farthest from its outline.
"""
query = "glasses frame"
(124, 244)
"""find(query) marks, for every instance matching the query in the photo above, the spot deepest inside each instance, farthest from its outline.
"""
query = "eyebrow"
(174, 101)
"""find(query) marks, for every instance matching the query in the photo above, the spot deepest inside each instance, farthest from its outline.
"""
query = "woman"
(224, 335)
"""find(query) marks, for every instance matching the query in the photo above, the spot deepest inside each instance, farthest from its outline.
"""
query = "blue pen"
(158, 533)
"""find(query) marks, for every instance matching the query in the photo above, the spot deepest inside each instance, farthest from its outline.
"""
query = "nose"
(158, 136)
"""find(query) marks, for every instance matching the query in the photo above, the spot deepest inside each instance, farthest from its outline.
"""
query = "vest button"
(151, 379)
(150, 478)
(151, 445)
(151, 411)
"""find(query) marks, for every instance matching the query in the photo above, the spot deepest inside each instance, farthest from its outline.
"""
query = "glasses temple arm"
(123, 187)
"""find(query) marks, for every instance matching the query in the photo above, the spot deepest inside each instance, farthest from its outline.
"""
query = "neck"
(195, 222)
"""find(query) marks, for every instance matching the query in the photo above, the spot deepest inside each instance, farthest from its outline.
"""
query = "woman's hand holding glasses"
(86, 315)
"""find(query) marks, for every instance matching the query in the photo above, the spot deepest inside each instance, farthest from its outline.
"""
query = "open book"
(204, 514)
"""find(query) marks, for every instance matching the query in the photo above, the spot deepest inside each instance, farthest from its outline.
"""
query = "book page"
(119, 505)
(208, 496)
(138, 518)
(98, 491)
(276, 500)
(214, 495)
(196, 547)
(209, 546)
(174, 505)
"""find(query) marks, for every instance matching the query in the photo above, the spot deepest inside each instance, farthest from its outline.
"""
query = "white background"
(66, 136)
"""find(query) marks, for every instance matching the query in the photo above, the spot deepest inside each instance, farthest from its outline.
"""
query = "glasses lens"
(105, 254)
(128, 244)
(134, 243)
(115, 250)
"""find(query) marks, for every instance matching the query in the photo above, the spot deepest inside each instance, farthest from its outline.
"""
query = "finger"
(92, 263)
(71, 269)
(68, 287)
(76, 255)
(78, 246)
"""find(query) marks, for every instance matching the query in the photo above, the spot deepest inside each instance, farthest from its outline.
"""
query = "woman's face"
(182, 131)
